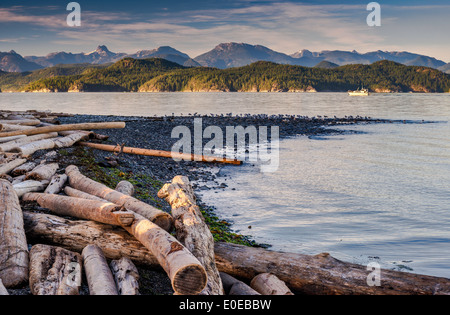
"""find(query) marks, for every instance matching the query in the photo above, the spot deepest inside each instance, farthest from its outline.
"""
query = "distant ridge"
(13, 62)
(102, 55)
(225, 55)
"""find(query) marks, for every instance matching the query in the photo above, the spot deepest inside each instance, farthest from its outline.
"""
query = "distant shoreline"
(159, 75)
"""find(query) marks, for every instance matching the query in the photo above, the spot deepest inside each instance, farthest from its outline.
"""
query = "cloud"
(17, 15)
(286, 27)
(283, 26)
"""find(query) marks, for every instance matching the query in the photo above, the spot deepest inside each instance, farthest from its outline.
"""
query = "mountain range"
(223, 56)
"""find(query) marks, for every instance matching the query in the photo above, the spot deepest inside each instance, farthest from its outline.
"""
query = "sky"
(39, 27)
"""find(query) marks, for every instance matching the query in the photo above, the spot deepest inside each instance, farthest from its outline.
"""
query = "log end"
(190, 280)
(123, 217)
(164, 221)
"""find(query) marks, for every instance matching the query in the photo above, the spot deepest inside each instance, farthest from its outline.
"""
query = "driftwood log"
(233, 286)
(8, 139)
(269, 284)
(98, 211)
(58, 128)
(126, 276)
(8, 146)
(81, 182)
(187, 275)
(3, 290)
(18, 179)
(8, 167)
(125, 187)
(28, 186)
(23, 169)
(322, 274)
(13, 243)
(23, 122)
(192, 230)
(70, 140)
(72, 192)
(88, 134)
(114, 241)
(47, 144)
(306, 274)
(30, 148)
(6, 157)
(99, 277)
(159, 153)
(56, 184)
(43, 172)
(12, 127)
(54, 271)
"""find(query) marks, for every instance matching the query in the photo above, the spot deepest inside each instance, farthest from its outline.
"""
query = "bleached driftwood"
(56, 184)
(30, 148)
(23, 169)
(19, 116)
(6, 177)
(98, 274)
(58, 128)
(8, 146)
(107, 213)
(126, 276)
(5, 168)
(6, 157)
(18, 179)
(70, 140)
(233, 286)
(54, 271)
(11, 127)
(72, 192)
(8, 139)
(49, 119)
(13, 243)
(43, 172)
(29, 186)
(192, 230)
(71, 132)
(187, 275)
(269, 284)
(114, 241)
(125, 187)
(81, 182)
(23, 122)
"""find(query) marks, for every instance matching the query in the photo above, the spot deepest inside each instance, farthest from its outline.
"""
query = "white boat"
(359, 92)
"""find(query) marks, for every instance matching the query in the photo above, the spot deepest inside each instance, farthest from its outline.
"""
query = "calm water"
(380, 195)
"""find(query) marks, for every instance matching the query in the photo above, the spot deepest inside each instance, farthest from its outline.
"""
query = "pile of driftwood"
(91, 224)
